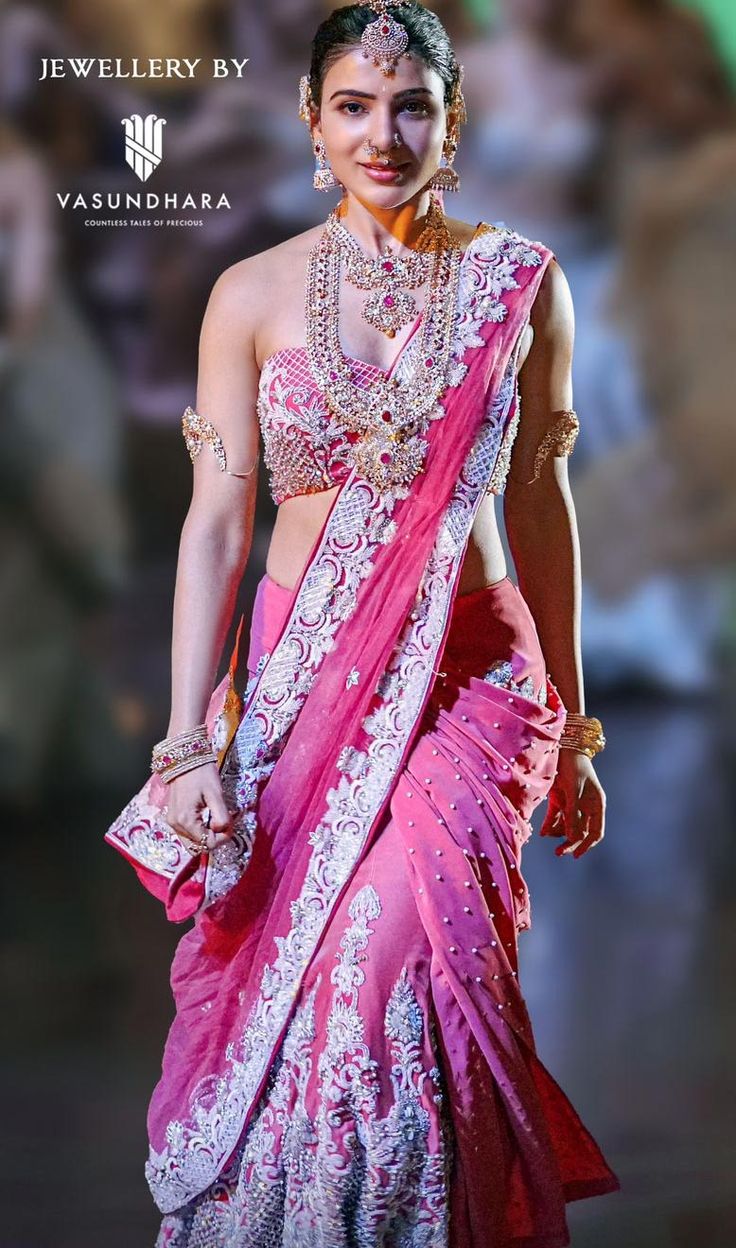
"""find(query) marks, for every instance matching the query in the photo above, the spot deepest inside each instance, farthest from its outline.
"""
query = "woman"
(351, 1059)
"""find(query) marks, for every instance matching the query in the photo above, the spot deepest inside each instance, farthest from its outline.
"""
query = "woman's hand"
(577, 805)
(189, 793)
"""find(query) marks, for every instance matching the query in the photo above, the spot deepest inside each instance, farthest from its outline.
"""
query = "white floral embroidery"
(343, 1176)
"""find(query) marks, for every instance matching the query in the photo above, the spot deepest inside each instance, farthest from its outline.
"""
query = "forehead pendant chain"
(384, 41)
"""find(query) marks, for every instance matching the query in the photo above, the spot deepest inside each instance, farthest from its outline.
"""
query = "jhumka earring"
(384, 41)
(324, 178)
(446, 178)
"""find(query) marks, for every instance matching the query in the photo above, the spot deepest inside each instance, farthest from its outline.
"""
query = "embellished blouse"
(306, 450)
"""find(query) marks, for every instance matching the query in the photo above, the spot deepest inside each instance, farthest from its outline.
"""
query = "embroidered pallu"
(321, 772)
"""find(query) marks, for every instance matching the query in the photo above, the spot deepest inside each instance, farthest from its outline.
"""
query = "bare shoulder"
(242, 298)
(552, 313)
(264, 267)
(462, 231)
(256, 275)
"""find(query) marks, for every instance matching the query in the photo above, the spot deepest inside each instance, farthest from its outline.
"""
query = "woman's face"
(360, 103)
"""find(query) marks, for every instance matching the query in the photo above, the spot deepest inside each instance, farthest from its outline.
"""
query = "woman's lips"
(384, 173)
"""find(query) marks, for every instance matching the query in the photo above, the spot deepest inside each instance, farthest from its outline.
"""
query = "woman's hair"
(343, 29)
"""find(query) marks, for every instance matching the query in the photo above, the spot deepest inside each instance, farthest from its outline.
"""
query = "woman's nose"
(385, 134)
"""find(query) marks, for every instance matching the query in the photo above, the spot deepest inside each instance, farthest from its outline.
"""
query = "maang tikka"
(384, 41)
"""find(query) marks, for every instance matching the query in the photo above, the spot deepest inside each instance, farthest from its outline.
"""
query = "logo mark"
(144, 137)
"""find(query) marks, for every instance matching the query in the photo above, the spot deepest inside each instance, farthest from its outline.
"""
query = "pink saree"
(351, 1060)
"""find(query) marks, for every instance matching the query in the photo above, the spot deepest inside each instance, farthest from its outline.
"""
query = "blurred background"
(604, 128)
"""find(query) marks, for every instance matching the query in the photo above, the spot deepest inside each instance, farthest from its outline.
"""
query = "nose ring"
(375, 152)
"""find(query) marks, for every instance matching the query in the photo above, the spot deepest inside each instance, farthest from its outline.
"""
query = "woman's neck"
(375, 228)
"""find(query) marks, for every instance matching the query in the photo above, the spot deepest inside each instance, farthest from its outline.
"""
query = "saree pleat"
(400, 1110)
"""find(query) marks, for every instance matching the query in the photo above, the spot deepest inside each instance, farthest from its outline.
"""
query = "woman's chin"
(385, 194)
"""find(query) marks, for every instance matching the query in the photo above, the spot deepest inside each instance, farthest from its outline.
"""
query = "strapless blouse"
(304, 449)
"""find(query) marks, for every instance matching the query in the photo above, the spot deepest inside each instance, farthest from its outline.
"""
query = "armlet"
(197, 430)
(558, 440)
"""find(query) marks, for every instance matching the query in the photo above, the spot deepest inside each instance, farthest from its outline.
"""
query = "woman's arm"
(217, 532)
(542, 531)
(540, 515)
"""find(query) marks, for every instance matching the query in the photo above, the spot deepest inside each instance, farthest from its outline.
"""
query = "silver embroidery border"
(219, 1106)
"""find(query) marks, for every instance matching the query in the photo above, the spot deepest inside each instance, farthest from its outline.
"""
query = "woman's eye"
(417, 108)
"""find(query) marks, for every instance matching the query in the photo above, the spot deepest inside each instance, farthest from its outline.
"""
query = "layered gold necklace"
(391, 414)
(390, 306)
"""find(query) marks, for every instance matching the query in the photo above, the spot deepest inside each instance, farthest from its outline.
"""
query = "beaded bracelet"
(584, 733)
(184, 751)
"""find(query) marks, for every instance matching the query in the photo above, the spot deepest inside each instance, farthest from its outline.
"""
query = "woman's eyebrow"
(367, 95)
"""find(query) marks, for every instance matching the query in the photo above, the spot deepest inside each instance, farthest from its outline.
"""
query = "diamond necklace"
(390, 307)
(391, 414)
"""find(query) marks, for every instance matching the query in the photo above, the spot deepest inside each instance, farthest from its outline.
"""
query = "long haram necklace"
(390, 307)
(391, 414)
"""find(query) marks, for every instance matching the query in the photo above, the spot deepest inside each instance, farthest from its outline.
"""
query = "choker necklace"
(390, 307)
(391, 414)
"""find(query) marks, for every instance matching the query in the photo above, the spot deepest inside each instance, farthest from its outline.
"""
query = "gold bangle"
(583, 733)
(170, 773)
(179, 753)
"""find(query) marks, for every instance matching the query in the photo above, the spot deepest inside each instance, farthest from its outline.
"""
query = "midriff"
(299, 521)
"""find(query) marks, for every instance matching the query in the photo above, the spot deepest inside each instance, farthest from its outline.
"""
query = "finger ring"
(192, 849)
(203, 846)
